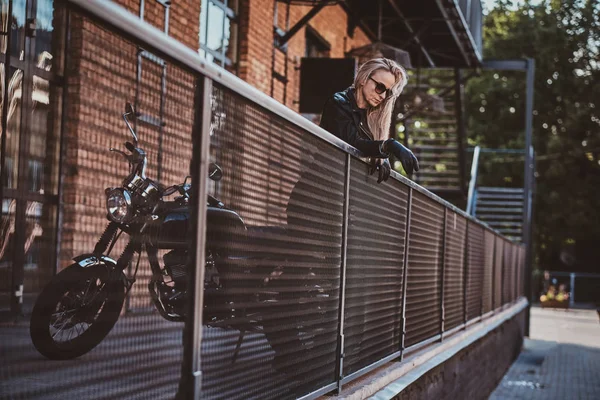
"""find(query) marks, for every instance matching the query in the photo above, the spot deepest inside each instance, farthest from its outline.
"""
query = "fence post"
(443, 275)
(494, 276)
(405, 272)
(502, 274)
(193, 325)
(466, 273)
(482, 277)
(572, 284)
(340, 339)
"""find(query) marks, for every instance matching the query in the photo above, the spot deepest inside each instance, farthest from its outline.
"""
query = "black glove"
(404, 155)
(384, 167)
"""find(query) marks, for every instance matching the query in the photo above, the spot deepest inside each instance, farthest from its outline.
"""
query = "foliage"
(563, 37)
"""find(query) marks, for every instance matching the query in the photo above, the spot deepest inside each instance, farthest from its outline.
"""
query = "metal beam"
(416, 35)
(506, 65)
(280, 41)
(529, 171)
(354, 21)
(503, 151)
(439, 53)
(461, 129)
(467, 24)
(412, 32)
(453, 32)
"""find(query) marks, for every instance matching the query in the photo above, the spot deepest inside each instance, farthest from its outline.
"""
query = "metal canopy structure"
(436, 33)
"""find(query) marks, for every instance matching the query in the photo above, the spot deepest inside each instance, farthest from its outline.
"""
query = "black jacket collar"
(351, 95)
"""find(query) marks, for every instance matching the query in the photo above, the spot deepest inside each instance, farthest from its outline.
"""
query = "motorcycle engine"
(171, 297)
(176, 266)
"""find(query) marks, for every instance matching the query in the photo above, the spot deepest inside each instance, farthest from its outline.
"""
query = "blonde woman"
(361, 115)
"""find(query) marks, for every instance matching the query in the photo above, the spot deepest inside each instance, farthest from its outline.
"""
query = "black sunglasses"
(380, 88)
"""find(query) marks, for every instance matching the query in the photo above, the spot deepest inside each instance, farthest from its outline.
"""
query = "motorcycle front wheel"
(76, 311)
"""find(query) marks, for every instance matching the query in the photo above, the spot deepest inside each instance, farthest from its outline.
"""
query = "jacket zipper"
(365, 131)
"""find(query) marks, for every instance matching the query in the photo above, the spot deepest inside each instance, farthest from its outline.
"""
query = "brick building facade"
(255, 38)
(103, 76)
(257, 50)
(105, 71)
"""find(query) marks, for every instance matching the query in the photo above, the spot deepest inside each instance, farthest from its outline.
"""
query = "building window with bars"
(219, 32)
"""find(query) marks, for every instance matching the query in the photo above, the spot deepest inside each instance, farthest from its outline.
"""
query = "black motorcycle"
(82, 303)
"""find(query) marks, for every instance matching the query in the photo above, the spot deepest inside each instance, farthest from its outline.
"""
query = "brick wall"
(102, 78)
(256, 56)
(490, 356)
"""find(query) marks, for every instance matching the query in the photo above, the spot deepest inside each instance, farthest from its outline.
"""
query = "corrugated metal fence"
(333, 273)
(351, 273)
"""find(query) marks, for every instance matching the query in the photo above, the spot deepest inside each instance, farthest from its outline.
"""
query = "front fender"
(87, 260)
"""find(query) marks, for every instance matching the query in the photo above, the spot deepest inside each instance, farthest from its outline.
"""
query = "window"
(316, 45)
(7, 176)
(35, 175)
(219, 32)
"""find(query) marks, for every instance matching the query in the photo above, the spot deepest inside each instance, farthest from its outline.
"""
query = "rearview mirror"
(215, 172)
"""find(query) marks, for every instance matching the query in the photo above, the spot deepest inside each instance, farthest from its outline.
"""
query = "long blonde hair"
(379, 118)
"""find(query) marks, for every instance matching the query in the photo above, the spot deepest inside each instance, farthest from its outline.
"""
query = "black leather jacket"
(342, 117)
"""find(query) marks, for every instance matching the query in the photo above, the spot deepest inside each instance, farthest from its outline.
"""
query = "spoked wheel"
(76, 311)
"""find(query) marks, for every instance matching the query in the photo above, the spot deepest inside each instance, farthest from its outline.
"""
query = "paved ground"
(560, 360)
(139, 360)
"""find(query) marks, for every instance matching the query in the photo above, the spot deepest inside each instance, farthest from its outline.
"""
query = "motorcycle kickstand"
(238, 346)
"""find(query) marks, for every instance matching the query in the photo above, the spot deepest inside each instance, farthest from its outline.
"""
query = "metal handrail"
(473, 182)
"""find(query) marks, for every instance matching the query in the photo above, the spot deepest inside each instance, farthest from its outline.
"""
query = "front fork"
(105, 245)
(106, 239)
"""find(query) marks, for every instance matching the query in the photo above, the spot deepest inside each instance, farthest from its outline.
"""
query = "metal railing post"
(202, 122)
(460, 125)
(572, 284)
(466, 273)
(482, 281)
(528, 175)
(341, 314)
(405, 272)
(443, 275)
(502, 271)
(494, 276)
(62, 139)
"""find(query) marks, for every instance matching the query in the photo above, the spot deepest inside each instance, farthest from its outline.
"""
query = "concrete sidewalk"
(561, 359)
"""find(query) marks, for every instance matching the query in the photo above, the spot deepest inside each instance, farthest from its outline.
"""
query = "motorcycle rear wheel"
(76, 311)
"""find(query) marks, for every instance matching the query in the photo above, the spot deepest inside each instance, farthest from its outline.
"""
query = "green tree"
(564, 39)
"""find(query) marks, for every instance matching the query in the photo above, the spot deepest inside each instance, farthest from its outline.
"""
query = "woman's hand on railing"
(383, 166)
(403, 154)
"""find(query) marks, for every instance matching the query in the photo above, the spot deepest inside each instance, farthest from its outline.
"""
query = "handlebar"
(136, 160)
(181, 189)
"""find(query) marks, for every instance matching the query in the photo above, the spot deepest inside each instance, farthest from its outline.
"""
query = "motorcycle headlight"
(118, 205)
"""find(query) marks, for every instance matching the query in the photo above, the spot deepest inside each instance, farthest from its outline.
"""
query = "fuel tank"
(223, 226)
